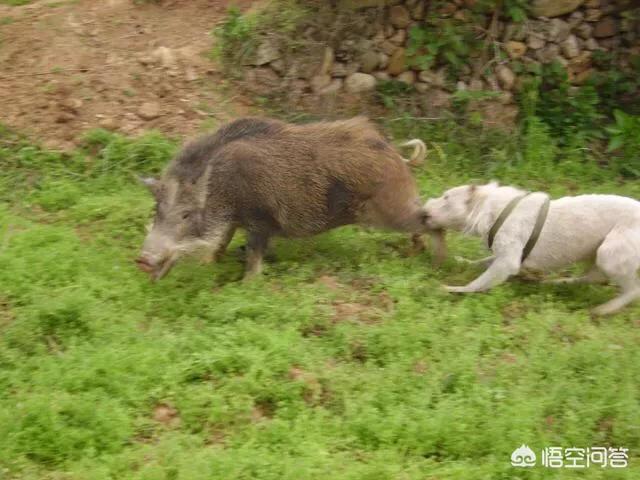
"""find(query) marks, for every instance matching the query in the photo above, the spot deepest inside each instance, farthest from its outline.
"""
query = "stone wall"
(366, 43)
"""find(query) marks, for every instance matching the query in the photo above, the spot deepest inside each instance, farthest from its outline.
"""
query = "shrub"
(625, 138)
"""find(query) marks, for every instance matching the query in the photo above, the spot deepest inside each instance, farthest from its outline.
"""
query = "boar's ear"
(153, 184)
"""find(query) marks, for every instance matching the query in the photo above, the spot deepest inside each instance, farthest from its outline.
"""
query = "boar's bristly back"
(192, 161)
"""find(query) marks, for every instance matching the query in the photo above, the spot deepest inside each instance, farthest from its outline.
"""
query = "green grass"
(15, 2)
(346, 360)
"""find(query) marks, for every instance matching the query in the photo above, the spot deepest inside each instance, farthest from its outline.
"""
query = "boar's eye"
(186, 215)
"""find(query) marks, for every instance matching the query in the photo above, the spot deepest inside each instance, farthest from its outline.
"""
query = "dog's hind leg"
(593, 275)
(619, 259)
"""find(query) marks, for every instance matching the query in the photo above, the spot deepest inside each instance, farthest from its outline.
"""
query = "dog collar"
(535, 234)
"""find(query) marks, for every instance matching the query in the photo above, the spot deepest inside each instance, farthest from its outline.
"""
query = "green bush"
(567, 110)
(624, 137)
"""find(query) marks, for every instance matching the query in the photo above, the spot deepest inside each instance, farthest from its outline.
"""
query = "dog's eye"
(446, 198)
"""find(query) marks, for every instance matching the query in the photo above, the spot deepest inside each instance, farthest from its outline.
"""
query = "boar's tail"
(419, 153)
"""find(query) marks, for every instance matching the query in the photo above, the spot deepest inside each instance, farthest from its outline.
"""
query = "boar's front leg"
(215, 253)
(257, 243)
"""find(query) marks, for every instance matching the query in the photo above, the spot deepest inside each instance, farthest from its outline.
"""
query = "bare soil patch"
(125, 66)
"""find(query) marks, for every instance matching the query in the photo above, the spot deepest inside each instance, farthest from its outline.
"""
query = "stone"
(584, 30)
(383, 60)
(334, 87)
(399, 37)
(262, 80)
(72, 105)
(606, 27)
(558, 30)
(165, 57)
(319, 82)
(369, 61)
(408, 77)
(397, 62)
(399, 16)
(388, 48)
(514, 31)
(548, 54)
(492, 83)
(417, 12)
(358, 4)
(327, 61)
(582, 77)
(554, 8)
(476, 85)
(360, 82)
(461, 86)
(389, 31)
(339, 70)
(505, 98)
(65, 117)
(591, 44)
(515, 49)
(382, 76)
(190, 74)
(448, 9)
(278, 66)
(108, 123)
(498, 114)
(610, 43)
(379, 37)
(311, 64)
(579, 64)
(149, 111)
(592, 15)
(437, 79)
(592, 3)
(422, 87)
(267, 52)
(570, 47)
(506, 77)
(626, 25)
(535, 42)
(435, 100)
(575, 18)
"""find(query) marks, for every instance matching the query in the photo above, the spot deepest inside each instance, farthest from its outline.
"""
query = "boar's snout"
(155, 267)
(144, 264)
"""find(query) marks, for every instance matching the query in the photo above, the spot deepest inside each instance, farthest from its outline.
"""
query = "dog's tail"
(419, 152)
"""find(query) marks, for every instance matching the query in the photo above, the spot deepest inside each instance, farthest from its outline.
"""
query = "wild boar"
(277, 179)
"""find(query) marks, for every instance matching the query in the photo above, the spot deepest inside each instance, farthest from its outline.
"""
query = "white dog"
(528, 231)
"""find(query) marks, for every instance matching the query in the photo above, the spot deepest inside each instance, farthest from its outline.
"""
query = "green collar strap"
(535, 234)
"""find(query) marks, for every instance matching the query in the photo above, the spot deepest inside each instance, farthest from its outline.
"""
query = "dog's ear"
(473, 193)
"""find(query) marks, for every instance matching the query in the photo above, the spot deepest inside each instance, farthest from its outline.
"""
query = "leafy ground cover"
(346, 360)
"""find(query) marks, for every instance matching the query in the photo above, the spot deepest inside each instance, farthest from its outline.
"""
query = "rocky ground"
(118, 64)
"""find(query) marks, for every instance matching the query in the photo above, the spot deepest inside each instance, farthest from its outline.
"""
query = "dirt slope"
(66, 67)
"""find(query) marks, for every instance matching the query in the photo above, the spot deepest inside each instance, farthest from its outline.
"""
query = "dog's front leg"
(486, 261)
(500, 270)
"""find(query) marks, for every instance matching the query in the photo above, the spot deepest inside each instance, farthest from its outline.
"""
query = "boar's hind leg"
(257, 243)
